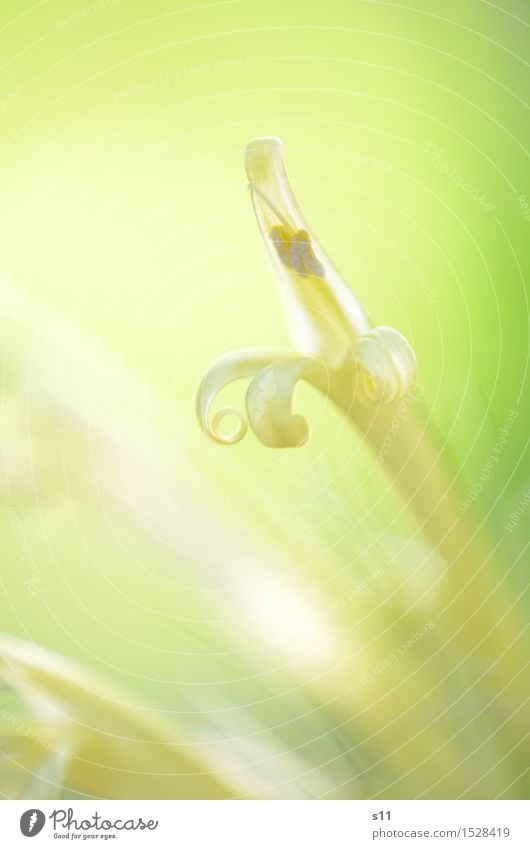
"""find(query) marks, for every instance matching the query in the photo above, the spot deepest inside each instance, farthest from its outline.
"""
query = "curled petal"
(234, 366)
(269, 402)
(386, 367)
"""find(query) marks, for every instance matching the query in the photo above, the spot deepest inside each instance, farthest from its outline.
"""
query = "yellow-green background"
(124, 210)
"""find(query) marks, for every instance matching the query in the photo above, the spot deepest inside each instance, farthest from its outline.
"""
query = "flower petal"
(233, 366)
(386, 368)
(325, 315)
(269, 402)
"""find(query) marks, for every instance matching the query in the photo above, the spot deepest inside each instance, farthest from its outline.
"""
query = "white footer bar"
(267, 825)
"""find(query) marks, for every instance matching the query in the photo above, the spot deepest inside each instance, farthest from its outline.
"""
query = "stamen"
(295, 251)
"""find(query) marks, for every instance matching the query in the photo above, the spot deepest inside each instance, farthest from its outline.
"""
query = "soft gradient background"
(221, 585)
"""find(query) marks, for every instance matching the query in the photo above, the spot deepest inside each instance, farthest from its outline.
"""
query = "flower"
(369, 373)
(340, 656)
(341, 354)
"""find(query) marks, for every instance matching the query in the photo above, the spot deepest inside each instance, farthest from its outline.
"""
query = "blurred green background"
(200, 578)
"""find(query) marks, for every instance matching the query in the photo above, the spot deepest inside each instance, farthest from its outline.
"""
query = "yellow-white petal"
(233, 366)
(269, 402)
(386, 368)
(325, 315)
